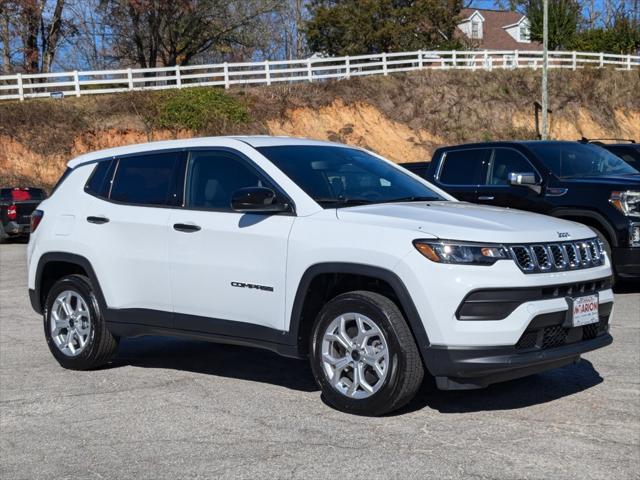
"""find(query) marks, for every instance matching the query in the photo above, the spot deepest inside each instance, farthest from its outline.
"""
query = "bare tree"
(35, 27)
(5, 36)
(169, 32)
(50, 35)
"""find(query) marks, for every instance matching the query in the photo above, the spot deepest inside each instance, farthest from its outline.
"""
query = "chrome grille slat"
(549, 257)
(559, 256)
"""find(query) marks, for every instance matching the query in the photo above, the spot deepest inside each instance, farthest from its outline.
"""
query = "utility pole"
(545, 67)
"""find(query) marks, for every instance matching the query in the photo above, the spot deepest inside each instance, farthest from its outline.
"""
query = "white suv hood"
(467, 221)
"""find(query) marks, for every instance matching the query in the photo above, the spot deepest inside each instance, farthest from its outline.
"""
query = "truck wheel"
(74, 327)
(363, 354)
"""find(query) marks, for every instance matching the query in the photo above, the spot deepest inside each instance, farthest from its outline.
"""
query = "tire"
(91, 345)
(386, 333)
(607, 248)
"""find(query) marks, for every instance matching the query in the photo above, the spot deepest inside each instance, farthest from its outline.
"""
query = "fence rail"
(78, 83)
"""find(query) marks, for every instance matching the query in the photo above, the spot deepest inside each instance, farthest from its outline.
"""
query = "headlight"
(627, 202)
(444, 251)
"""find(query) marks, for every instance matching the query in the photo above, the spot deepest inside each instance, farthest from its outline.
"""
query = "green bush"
(200, 109)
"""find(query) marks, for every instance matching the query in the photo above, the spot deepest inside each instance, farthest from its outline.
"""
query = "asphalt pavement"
(168, 408)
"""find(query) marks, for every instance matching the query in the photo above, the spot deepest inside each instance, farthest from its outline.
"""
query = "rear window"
(462, 167)
(100, 179)
(144, 179)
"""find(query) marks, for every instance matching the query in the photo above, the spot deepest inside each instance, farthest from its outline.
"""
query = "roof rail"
(602, 140)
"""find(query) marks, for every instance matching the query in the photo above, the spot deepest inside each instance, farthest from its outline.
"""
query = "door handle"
(485, 197)
(185, 227)
(97, 220)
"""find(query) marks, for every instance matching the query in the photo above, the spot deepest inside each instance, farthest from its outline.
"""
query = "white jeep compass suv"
(311, 249)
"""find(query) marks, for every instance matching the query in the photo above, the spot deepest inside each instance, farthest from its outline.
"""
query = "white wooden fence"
(60, 84)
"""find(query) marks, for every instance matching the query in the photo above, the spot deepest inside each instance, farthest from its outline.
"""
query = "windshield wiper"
(413, 198)
(343, 202)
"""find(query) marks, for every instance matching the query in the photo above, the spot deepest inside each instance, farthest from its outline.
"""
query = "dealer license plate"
(585, 310)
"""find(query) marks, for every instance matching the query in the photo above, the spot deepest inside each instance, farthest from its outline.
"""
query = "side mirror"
(257, 200)
(528, 178)
(525, 179)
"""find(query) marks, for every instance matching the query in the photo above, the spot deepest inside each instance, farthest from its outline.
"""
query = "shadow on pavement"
(258, 365)
(523, 392)
(230, 361)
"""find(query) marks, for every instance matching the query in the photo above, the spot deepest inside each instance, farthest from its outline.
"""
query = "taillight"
(11, 212)
(36, 218)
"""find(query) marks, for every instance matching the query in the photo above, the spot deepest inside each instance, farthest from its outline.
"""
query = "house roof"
(494, 35)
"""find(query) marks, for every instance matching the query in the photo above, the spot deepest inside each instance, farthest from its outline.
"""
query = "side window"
(504, 162)
(100, 179)
(462, 167)
(145, 179)
(214, 176)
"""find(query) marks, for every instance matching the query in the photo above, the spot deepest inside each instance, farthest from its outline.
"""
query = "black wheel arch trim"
(598, 217)
(398, 286)
(78, 260)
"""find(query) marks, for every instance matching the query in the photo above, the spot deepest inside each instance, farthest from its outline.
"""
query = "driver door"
(227, 268)
(496, 188)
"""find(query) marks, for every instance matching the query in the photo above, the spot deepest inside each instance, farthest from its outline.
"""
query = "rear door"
(126, 217)
(495, 188)
(227, 268)
(459, 172)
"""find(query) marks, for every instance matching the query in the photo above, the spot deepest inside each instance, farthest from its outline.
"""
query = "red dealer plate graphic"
(585, 310)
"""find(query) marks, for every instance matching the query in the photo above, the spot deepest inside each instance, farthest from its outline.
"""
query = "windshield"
(630, 154)
(579, 160)
(339, 176)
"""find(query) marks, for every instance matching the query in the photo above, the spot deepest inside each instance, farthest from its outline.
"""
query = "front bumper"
(546, 343)
(626, 262)
(464, 369)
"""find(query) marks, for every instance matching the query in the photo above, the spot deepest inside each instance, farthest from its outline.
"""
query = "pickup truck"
(575, 181)
(16, 206)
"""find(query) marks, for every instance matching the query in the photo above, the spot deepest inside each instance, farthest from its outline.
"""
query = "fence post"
(629, 62)
(601, 60)
(384, 63)
(178, 78)
(20, 87)
(76, 83)
(420, 64)
(454, 59)
(309, 70)
(130, 78)
(485, 61)
(226, 74)
(574, 62)
(516, 60)
(267, 72)
(347, 64)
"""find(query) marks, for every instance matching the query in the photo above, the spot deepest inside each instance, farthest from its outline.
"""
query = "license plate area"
(583, 310)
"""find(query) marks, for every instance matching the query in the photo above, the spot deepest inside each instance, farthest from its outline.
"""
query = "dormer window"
(475, 28)
(524, 32)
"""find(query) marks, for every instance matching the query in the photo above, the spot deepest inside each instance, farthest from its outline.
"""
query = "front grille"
(523, 258)
(554, 336)
(545, 336)
(548, 257)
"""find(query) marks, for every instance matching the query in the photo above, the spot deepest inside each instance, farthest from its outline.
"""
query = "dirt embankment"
(403, 117)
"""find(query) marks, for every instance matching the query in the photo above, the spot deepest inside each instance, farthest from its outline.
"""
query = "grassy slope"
(422, 109)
